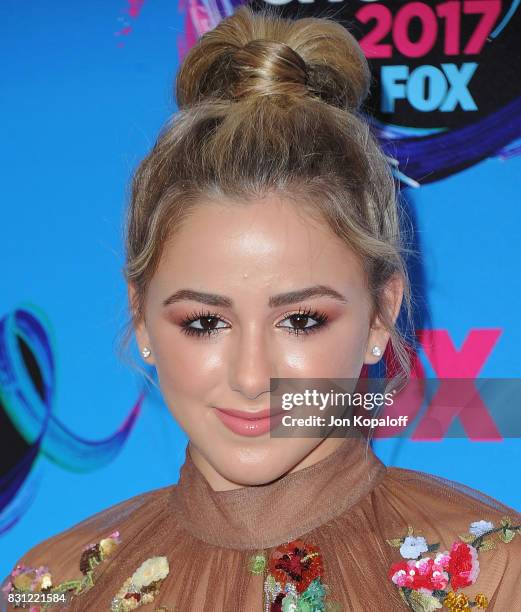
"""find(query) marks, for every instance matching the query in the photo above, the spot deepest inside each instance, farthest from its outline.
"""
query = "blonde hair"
(270, 105)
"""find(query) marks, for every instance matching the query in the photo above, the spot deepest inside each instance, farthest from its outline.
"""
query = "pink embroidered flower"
(442, 559)
(463, 565)
(425, 575)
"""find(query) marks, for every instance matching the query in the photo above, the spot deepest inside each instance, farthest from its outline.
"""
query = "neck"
(259, 516)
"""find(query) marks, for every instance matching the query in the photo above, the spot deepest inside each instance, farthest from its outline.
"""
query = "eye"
(203, 324)
(303, 321)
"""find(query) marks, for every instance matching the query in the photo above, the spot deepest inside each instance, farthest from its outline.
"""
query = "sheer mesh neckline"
(266, 515)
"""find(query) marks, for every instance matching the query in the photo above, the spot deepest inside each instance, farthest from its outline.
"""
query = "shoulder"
(477, 536)
(69, 555)
(449, 498)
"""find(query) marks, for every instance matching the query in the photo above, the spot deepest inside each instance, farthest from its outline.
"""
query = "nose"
(251, 365)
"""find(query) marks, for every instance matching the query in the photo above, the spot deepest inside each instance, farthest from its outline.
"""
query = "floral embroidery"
(480, 527)
(29, 579)
(142, 587)
(93, 555)
(412, 547)
(430, 583)
(294, 578)
(24, 580)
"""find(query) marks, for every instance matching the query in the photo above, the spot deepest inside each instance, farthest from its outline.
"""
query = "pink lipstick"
(249, 423)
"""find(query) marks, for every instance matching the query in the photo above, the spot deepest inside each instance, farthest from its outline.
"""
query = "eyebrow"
(281, 299)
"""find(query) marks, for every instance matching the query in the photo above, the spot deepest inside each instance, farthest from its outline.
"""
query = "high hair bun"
(252, 54)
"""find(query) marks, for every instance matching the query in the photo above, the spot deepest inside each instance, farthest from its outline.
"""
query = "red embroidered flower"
(424, 573)
(463, 565)
(296, 562)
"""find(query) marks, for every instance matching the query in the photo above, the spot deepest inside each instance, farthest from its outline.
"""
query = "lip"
(249, 423)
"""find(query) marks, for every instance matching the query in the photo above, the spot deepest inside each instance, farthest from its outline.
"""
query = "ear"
(140, 329)
(378, 334)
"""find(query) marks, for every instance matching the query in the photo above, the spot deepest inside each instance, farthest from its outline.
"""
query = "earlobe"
(142, 337)
(143, 341)
(144, 344)
(379, 334)
(376, 344)
(376, 351)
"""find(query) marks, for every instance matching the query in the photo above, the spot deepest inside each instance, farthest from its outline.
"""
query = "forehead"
(270, 240)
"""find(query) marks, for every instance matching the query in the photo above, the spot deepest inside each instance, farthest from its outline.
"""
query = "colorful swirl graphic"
(28, 426)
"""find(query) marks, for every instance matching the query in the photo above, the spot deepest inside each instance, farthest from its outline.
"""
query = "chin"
(251, 475)
(248, 464)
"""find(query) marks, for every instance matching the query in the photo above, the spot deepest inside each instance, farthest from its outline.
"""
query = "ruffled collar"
(266, 515)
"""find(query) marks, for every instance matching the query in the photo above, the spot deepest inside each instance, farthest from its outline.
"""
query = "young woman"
(264, 242)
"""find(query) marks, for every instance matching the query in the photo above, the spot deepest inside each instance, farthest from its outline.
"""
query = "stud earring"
(376, 350)
(146, 352)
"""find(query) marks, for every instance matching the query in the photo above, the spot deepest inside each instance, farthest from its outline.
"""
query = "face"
(245, 293)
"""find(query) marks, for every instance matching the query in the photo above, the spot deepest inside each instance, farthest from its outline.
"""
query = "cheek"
(336, 352)
(186, 366)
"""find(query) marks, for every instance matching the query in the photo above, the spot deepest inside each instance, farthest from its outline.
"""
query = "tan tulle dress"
(346, 533)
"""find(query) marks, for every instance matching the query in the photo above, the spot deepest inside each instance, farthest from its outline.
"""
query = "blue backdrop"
(86, 88)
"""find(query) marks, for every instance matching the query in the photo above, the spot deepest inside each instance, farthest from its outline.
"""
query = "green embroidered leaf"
(506, 522)
(289, 604)
(315, 593)
(433, 547)
(421, 602)
(467, 538)
(395, 543)
(403, 594)
(487, 545)
(63, 587)
(507, 535)
(257, 564)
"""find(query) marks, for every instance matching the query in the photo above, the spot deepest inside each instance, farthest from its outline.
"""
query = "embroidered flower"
(94, 554)
(31, 578)
(293, 581)
(421, 574)
(25, 579)
(478, 528)
(442, 559)
(463, 565)
(296, 561)
(423, 581)
(151, 570)
(108, 545)
(142, 587)
(413, 547)
(481, 601)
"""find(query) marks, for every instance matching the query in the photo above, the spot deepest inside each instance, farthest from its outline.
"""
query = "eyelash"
(320, 317)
